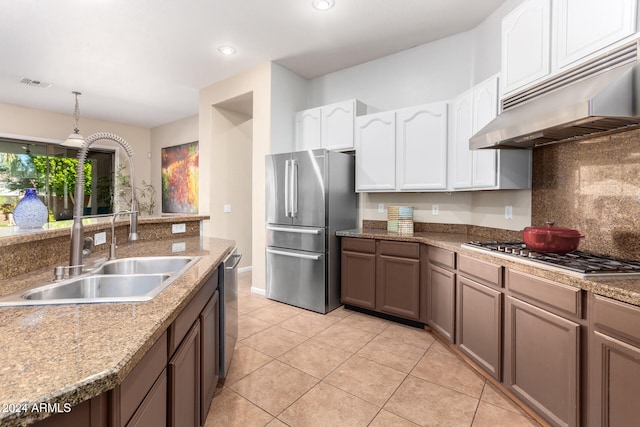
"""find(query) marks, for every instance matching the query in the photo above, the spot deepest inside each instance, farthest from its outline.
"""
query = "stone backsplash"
(22, 253)
(592, 185)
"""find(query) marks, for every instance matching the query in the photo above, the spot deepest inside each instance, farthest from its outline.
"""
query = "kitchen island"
(62, 355)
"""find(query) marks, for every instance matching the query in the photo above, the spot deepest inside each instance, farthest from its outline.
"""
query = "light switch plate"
(178, 228)
(100, 238)
(435, 210)
(178, 247)
(381, 207)
(227, 208)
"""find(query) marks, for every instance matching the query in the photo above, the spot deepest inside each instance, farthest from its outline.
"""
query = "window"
(51, 170)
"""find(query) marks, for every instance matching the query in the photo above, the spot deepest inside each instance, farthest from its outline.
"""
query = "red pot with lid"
(551, 239)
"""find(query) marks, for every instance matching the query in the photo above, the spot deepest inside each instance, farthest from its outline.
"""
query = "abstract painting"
(180, 178)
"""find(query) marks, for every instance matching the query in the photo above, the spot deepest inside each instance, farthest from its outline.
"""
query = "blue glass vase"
(30, 212)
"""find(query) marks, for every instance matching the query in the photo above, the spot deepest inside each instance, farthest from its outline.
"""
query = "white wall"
(433, 72)
(258, 82)
(174, 133)
(427, 73)
(288, 95)
(26, 123)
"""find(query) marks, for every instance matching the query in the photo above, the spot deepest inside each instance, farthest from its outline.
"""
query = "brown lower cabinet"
(614, 364)
(479, 303)
(358, 272)
(542, 348)
(382, 276)
(440, 298)
(184, 382)
(174, 382)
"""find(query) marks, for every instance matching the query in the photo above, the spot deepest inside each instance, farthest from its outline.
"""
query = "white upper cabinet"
(486, 169)
(526, 44)
(585, 26)
(376, 152)
(461, 131)
(421, 147)
(308, 129)
(330, 126)
(543, 37)
(485, 109)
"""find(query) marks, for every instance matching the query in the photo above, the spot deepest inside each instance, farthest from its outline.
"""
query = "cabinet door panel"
(398, 286)
(526, 44)
(308, 128)
(358, 279)
(441, 300)
(376, 152)
(615, 372)
(209, 346)
(583, 27)
(462, 108)
(479, 325)
(338, 126)
(542, 361)
(184, 382)
(485, 109)
(421, 138)
(153, 410)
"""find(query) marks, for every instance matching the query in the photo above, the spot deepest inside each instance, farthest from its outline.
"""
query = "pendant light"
(75, 140)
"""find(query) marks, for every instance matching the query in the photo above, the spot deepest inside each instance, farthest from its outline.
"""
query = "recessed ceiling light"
(322, 4)
(227, 50)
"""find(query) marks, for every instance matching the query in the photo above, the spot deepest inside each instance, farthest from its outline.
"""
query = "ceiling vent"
(35, 83)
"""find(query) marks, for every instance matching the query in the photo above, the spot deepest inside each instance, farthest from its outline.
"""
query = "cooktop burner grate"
(585, 263)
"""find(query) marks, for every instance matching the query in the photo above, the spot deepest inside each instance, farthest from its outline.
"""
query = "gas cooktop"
(579, 263)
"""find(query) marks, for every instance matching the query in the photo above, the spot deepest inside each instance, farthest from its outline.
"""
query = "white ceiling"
(142, 62)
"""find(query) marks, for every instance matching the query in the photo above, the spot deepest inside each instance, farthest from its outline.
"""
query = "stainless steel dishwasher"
(228, 288)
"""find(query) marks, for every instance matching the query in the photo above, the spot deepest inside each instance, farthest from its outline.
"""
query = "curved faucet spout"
(77, 229)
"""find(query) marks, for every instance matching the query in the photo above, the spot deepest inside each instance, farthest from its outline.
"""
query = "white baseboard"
(258, 291)
(244, 269)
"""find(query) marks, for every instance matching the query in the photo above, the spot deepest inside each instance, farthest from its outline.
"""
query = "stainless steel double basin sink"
(120, 280)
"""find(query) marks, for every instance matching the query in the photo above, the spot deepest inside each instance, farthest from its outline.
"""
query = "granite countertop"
(12, 235)
(71, 353)
(621, 289)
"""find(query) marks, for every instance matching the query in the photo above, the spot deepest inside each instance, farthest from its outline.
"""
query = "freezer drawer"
(297, 278)
(301, 238)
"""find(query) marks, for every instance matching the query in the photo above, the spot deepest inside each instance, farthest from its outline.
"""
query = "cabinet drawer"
(484, 271)
(554, 295)
(179, 328)
(399, 249)
(616, 316)
(359, 245)
(442, 257)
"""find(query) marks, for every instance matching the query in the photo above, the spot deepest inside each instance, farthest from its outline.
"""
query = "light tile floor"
(293, 367)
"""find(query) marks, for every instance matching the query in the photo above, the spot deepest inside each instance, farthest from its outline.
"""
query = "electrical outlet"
(435, 210)
(178, 247)
(227, 208)
(178, 228)
(100, 238)
(381, 207)
(508, 212)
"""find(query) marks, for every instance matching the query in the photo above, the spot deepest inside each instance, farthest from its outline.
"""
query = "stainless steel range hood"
(599, 97)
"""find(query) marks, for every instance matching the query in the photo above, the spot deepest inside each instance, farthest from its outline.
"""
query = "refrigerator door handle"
(293, 230)
(286, 187)
(294, 188)
(294, 255)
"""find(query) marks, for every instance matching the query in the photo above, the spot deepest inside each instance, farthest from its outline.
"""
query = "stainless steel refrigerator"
(310, 195)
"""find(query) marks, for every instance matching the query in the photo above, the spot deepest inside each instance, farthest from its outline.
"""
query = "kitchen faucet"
(77, 230)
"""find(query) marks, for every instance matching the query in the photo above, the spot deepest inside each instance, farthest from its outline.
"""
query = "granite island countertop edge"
(72, 353)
